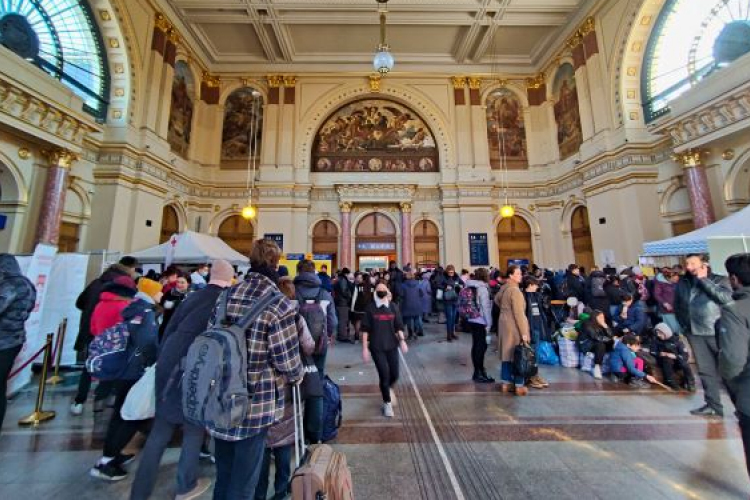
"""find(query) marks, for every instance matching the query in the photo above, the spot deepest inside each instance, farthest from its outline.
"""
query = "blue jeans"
(313, 419)
(414, 325)
(507, 377)
(450, 316)
(536, 334)
(238, 465)
(283, 465)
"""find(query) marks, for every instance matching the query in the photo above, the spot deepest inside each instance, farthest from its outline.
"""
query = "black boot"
(477, 376)
(487, 378)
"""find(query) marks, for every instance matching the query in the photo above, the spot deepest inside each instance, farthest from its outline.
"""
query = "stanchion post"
(39, 415)
(61, 330)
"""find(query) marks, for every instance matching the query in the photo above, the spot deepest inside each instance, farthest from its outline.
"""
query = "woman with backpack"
(382, 336)
(476, 312)
(140, 317)
(450, 288)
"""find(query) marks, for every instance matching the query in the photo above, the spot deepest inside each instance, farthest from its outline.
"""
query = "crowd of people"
(640, 330)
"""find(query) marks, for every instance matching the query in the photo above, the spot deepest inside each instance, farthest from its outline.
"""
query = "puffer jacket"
(108, 312)
(140, 316)
(308, 287)
(89, 298)
(734, 345)
(698, 303)
(411, 296)
(17, 300)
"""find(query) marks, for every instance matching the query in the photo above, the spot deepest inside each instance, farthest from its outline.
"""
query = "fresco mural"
(181, 111)
(506, 129)
(567, 113)
(374, 135)
(239, 118)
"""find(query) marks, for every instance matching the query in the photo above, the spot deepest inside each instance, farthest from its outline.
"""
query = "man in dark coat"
(342, 297)
(574, 283)
(86, 303)
(189, 321)
(17, 300)
(396, 281)
(734, 341)
(699, 296)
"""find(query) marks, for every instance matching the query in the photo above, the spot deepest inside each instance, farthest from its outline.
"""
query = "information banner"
(278, 238)
(479, 254)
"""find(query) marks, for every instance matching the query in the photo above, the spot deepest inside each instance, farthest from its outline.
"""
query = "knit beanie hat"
(149, 287)
(222, 273)
(664, 329)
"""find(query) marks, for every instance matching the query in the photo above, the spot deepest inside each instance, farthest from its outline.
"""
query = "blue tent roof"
(737, 224)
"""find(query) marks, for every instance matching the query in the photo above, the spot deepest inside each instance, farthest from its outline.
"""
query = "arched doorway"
(326, 240)
(580, 231)
(375, 242)
(170, 223)
(426, 244)
(514, 240)
(237, 233)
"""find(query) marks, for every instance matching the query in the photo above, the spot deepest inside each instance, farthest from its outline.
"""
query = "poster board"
(479, 254)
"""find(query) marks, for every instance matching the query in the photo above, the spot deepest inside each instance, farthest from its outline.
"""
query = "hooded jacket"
(140, 315)
(108, 312)
(308, 287)
(734, 344)
(664, 291)
(17, 300)
(411, 305)
(88, 299)
(698, 303)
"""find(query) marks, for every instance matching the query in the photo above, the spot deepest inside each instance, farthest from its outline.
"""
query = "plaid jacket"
(273, 357)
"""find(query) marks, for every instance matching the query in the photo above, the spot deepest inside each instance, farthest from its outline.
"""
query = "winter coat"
(614, 294)
(636, 320)
(170, 302)
(89, 298)
(308, 287)
(426, 288)
(592, 333)
(397, 280)
(108, 312)
(539, 321)
(186, 324)
(17, 300)
(734, 354)
(575, 286)
(698, 303)
(140, 316)
(672, 345)
(364, 295)
(483, 303)
(599, 303)
(452, 282)
(343, 292)
(513, 325)
(325, 282)
(411, 299)
(622, 357)
(664, 293)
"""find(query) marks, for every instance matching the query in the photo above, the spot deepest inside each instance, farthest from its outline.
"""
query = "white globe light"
(507, 211)
(249, 212)
(383, 61)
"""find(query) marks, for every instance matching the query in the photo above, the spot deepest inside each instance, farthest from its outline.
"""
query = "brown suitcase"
(323, 476)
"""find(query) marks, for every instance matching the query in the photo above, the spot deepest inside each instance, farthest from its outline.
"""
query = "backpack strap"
(257, 309)
(221, 313)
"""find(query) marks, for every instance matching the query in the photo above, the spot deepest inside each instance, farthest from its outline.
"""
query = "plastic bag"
(546, 355)
(140, 403)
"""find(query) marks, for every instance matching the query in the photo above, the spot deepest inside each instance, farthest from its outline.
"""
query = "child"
(623, 362)
(672, 356)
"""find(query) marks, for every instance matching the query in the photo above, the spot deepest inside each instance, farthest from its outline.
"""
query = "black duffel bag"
(524, 361)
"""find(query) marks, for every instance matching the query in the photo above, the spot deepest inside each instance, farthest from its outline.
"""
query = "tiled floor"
(451, 439)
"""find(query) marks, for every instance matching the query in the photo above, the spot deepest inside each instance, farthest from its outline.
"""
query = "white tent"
(190, 248)
(736, 225)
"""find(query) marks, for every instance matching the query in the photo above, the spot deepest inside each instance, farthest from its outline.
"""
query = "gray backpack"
(215, 392)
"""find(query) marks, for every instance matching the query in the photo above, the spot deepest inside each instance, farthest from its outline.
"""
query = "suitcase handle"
(299, 435)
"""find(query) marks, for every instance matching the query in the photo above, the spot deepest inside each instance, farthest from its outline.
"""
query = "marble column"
(346, 236)
(53, 198)
(406, 239)
(697, 185)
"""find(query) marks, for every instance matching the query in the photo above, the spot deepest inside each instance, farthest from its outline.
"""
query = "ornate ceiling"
(341, 35)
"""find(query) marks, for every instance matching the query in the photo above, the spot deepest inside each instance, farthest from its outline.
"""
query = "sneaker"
(76, 409)
(388, 410)
(639, 384)
(597, 373)
(534, 384)
(108, 472)
(707, 411)
(123, 459)
(201, 486)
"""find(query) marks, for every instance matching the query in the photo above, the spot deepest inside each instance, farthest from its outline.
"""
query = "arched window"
(61, 37)
(170, 223)
(691, 39)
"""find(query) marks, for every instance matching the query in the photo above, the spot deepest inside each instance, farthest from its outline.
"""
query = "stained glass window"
(61, 37)
(690, 41)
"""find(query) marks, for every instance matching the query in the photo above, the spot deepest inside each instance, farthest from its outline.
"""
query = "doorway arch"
(375, 241)
(170, 223)
(580, 231)
(325, 240)
(238, 233)
(426, 244)
(514, 240)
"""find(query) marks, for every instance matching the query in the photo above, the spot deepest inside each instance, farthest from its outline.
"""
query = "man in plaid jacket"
(273, 360)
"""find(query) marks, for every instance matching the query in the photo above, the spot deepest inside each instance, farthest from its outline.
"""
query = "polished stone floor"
(451, 439)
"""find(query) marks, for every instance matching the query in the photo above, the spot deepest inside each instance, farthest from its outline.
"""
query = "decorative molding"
(691, 158)
(375, 192)
(60, 158)
(375, 83)
(459, 82)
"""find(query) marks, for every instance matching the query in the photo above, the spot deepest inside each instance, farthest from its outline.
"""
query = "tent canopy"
(737, 224)
(191, 248)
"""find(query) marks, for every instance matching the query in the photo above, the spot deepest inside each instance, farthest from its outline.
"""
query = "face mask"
(381, 294)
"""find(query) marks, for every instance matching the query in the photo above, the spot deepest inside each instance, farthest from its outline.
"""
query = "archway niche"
(237, 233)
(325, 240)
(426, 244)
(580, 230)
(170, 223)
(375, 242)
(514, 240)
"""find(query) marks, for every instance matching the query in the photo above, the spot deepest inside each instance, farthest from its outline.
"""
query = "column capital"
(474, 82)
(274, 81)
(60, 158)
(405, 207)
(536, 82)
(691, 158)
(161, 23)
(346, 207)
(459, 82)
(289, 81)
(589, 25)
(211, 81)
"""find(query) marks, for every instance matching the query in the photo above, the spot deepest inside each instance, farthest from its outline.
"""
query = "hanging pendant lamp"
(383, 61)
(249, 212)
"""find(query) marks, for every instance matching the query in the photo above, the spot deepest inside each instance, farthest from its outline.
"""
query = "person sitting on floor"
(623, 362)
(632, 317)
(595, 339)
(672, 357)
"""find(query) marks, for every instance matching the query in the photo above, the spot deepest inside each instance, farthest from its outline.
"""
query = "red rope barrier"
(27, 363)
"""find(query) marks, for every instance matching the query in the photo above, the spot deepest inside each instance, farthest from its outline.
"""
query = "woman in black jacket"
(172, 299)
(595, 338)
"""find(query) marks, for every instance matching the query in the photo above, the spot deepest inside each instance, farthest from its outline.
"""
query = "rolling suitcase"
(322, 473)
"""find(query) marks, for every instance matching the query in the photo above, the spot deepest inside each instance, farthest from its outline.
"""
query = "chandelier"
(249, 211)
(383, 61)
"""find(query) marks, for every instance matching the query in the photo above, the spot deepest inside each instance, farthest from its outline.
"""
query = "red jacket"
(108, 312)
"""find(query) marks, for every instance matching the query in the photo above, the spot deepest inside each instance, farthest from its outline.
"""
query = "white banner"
(38, 271)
